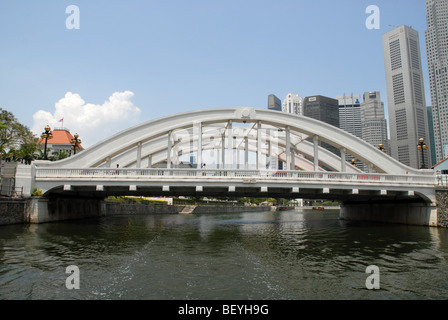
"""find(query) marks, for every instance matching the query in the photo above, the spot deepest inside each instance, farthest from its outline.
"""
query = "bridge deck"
(219, 182)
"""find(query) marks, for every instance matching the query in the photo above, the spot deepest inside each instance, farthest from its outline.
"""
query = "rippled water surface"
(268, 255)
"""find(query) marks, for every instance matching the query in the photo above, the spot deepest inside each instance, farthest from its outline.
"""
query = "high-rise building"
(405, 96)
(274, 103)
(350, 114)
(324, 109)
(437, 56)
(431, 135)
(373, 121)
(293, 103)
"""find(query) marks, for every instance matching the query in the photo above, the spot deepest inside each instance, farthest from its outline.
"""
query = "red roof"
(60, 136)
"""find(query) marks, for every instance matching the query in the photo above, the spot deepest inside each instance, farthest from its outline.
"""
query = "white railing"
(442, 180)
(154, 173)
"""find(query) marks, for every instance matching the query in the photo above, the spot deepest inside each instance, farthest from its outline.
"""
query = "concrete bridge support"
(392, 212)
(40, 209)
(433, 213)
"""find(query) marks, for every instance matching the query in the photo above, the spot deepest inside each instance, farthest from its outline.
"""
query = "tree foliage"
(62, 154)
(17, 142)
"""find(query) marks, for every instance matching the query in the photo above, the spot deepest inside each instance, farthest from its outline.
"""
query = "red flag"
(61, 120)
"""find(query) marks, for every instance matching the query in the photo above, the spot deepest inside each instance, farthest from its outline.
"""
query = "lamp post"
(422, 146)
(76, 142)
(380, 146)
(354, 163)
(46, 135)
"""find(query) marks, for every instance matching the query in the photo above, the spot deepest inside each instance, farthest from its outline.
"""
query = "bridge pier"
(41, 209)
(410, 213)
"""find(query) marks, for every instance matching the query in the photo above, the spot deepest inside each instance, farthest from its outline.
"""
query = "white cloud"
(93, 122)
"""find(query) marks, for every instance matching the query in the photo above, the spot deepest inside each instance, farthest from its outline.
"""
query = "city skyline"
(126, 65)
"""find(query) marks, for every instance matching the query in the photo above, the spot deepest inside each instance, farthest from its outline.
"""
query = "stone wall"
(442, 207)
(228, 209)
(12, 211)
(114, 208)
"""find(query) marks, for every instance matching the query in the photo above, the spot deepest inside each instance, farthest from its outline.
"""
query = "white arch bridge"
(247, 152)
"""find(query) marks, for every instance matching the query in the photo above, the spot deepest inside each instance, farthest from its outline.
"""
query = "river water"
(265, 255)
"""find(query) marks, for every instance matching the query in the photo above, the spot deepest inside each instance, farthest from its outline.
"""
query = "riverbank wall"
(40, 210)
(12, 211)
(114, 208)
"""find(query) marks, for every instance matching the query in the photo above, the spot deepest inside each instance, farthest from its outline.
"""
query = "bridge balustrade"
(150, 173)
(442, 180)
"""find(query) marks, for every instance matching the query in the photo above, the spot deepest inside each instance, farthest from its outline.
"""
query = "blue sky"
(133, 61)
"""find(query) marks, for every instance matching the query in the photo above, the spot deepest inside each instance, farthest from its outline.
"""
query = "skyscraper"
(324, 109)
(293, 103)
(274, 103)
(431, 135)
(350, 114)
(437, 57)
(405, 96)
(373, 121)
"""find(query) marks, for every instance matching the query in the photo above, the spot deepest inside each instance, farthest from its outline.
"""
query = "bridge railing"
(150, 173)
(442, 180)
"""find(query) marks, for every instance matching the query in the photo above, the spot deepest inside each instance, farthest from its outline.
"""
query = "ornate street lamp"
(380, 146)
(354, 163)
(46, 135)
(76, 142)
(422, 146)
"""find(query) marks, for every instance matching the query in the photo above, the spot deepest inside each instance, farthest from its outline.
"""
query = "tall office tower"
(350, 114)
(437, 57)
(431, 135)
(373, 121)
(324, 109)
(406, 96)
(293, 103)
(274, 103)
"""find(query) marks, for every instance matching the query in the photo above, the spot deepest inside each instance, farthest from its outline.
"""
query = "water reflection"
(269, 255)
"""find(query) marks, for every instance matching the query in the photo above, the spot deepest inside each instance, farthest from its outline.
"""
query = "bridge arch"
(297, 139)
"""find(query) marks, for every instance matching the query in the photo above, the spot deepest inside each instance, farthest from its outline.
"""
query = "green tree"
(17, 142)
(62, 154)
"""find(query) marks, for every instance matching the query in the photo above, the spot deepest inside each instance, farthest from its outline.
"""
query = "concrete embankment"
(40, 210)
(114, 208)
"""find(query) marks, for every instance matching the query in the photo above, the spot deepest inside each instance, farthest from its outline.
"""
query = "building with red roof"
(61, 140)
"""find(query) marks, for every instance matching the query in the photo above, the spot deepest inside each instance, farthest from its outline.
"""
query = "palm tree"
(62, 154)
